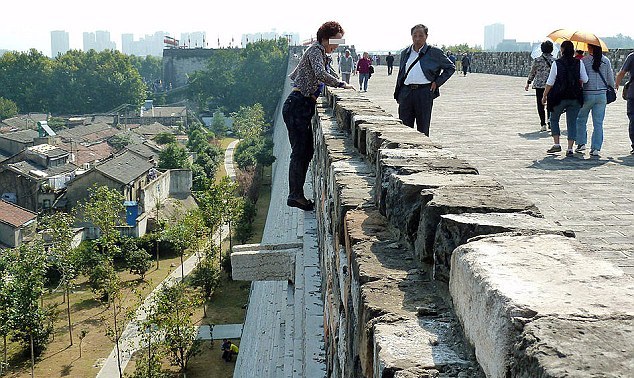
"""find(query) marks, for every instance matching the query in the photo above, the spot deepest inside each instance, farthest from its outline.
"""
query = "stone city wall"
(519, 63)
(432, 270)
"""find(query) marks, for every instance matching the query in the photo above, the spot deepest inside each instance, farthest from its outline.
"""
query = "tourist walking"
(466, 64)
(389, 60)
(563, 93)
(600, 76)
(309, 77)
(346, 66)
(628, 92)
(422, 70)
(451, 57)
(363, 68)
(538, 75)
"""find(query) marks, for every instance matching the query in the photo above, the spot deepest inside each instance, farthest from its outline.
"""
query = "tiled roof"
(25, 121)
(90, 133)
(25, 167)
(145, 149)
(22, 136)
(125, 168)
(88, 154)
(166, 111)
(15, 215)
(153, 129)
(47, 150)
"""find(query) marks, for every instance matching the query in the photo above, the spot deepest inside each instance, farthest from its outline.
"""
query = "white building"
(493, 35)
(59, 43)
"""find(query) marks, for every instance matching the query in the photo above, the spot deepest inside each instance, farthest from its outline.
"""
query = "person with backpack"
(563, 93)
(538, 75)
(600, 77)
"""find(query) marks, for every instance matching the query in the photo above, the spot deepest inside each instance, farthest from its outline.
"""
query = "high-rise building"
(148, 45)
(127, 43)
(59, 43)
(493, 35)
(89, 41)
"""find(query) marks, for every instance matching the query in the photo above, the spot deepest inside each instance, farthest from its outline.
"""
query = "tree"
(206, 277)
(5, 306)
(26, 79)
(219, 124)
(119, 141)
(27, 318)
(137, 260)
(165, 138)
(59, 225)
(173, 157)
(248, 121)
(8, 108)
(244, 224)
(181, 233)
(172, 313)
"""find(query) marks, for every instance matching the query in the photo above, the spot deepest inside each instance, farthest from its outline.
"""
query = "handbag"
(610, 93)
(626, 87)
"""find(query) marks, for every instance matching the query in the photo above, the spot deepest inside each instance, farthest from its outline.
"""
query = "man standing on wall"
(389, 59)
(422, 70)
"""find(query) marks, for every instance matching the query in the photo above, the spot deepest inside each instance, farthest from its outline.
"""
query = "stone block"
(513, 295)
(408, 161)
(401, 137)
(255, 262)
(344, 109)
(403, 198)
(463, 199)
(456, 229)
(361, 129)
(426, 346)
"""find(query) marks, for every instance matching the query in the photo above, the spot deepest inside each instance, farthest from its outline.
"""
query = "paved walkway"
(491, 122)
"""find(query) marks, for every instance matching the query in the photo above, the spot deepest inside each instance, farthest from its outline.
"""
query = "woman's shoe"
(304, 204)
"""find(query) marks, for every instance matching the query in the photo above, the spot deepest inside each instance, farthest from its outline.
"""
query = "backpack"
(566, 85)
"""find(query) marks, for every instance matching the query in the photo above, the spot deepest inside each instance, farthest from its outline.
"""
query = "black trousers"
(539, 93)
(416, 105)
(298, 112)
(630, 115)
(390, 67)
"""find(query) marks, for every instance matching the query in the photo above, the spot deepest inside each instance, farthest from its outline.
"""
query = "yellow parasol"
(581, 39)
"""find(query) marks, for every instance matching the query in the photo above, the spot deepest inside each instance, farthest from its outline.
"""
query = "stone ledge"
(255, 262)
(501, 284)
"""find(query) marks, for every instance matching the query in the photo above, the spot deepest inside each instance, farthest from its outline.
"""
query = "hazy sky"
(370, 25)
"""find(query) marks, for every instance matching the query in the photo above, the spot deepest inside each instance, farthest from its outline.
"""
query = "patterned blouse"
(314, 69)
(540, 70)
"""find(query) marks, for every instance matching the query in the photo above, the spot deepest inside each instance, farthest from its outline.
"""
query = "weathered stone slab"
(421, 345)
(456, 229)
(374, 260)
(408, 161)
(403, 198)
(255, 262)
(360, 131)
(553, 347)
(346, 109)
(457, 200)
(395, 138)
(501, 284)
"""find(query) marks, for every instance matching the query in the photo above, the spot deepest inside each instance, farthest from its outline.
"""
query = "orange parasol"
(581, 39)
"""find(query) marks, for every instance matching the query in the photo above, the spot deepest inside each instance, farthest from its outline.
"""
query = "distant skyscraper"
(59, 43)
(193, 40)
(148, 45)
(127, 44)
(493, 35)
(89, 41)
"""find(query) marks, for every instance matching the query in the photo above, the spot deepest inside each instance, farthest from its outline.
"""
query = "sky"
(369, 25)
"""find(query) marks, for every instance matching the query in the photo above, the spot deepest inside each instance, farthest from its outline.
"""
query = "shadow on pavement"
(534, 135)
(577, 162)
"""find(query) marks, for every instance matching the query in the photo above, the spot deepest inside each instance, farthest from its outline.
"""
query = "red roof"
(14, 215)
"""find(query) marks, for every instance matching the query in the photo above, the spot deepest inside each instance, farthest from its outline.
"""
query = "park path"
(131, 336)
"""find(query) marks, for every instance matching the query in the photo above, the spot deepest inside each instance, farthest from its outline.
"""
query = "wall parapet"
(431, 269)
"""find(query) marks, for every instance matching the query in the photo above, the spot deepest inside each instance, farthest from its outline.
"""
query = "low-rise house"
(16, 224)
(173, 116)
(14, 142)
(23, 121)
(35, 177)
(152, 130)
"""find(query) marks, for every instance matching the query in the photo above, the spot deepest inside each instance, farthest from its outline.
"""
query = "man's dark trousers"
(416, 105)
(298, 112)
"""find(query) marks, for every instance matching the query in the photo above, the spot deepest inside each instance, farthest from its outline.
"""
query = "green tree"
(249, 121)
(119, 141)
(244, 224)
(149, 67)
(26, 79)
(89, 82)
(165, 138)
(206, 277)
(8, 108)
(172, 313)
(173, 157)
(137, 260)
(5, 306)
(60, 227)
(27, 318)
(219, 124)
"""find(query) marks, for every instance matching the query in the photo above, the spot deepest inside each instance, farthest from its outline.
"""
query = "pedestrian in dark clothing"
(466, 64)
(309, 78)
(389, 59)
(422, 70)
(628, 89)
(538, 75)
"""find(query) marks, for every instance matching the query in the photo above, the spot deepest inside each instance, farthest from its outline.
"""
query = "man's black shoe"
(304, 204)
